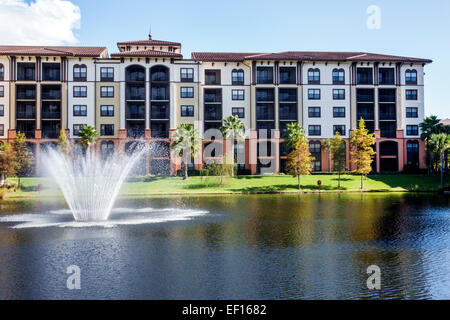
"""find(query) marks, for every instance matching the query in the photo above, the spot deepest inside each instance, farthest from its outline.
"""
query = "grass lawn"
(248, 184)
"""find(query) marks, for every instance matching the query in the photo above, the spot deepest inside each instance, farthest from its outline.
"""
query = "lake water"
(231, 247)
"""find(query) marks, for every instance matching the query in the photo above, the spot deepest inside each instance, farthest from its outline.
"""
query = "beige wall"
(115, 101)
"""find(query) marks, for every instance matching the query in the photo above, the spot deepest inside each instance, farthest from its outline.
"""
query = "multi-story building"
(144, 91)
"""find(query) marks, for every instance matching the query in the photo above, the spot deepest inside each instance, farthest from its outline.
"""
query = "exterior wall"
(419, 103)
(88, 101)
(5, 100)
(326, 102)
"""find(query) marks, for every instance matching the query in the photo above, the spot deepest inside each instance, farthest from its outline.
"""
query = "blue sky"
(408, 27)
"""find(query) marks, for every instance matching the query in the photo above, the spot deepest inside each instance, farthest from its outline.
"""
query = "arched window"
(411, 76)
(135, 73)
(2, 72)
(79, 72)
(107, 149)
(338, 76)
(237, 76)
(314, 76)
(315, 148)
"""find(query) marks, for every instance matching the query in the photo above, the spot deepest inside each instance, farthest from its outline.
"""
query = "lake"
(230, 247)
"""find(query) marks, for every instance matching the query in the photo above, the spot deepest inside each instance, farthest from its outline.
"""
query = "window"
(79, 111)
(107, 111)
(338, 76)
(80, 92)
(107, 129)
(237, 77)
(240, 112)
(2, 72)
(79, 72)
(237, 95)
(77, 128)
(338, 94)
(314, 130)
(2, 111)
(2, 91)
(314, 147)
(2, 130)
(287, 75)
(107, 92)
(412, 112)
(314, 94)
(338, 112)
(187, 75)
(412, 130)
(314, 112)
(411, 76)
(313, 76)
(187, 92)
(106, 74)
(340, 129)
(107, 149)
(411, 94)
(187, 111)
(264, 75)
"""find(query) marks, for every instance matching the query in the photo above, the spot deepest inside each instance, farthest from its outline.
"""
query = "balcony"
(365, 95)
(135, 129)
(160, 76)
(213, 114)
(25, 92)
(26, 72)
(388, 129)
(287, 75)
(386, 76)
(364, 76)
(213, 96)
(26, 127)
(265, 95)
(51, 115)
(387, 95)
(135, 92)
(288, 95)
(212, 77)
(51, 93)
(51, 72)
(264, 112)
(264, 75)
(160, 115)
(25, 111)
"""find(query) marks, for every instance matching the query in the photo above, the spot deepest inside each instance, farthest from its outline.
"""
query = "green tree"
(88, 137)
(440, 144)
(430, 126)
(23, 158)
(361, 142)
(233, 129)
(337, 148)
(299, 159)
(7, 163)
(63, 143)
(185, 144)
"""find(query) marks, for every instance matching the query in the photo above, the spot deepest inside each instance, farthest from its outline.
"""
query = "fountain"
(90, 185)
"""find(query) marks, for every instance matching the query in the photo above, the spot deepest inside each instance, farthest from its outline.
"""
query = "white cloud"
(40, 22)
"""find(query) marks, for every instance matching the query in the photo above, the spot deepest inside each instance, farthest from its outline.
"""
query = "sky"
(415, 28)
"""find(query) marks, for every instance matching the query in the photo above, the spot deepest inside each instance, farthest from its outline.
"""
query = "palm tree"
(88, 136)
(233, 129)
(439, 144)
(185, 144)
(431, 125)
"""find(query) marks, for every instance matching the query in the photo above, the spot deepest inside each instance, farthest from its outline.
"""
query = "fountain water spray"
(90, 184)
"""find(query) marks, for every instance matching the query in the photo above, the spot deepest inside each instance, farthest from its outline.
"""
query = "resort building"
(146, 89)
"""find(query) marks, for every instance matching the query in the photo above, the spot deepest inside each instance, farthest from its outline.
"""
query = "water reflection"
(247, 247)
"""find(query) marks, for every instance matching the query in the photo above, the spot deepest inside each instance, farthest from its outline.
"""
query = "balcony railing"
(288, 116)
(29, 134)
(28, 95)
(265, 116)
(160, 76)
(51, 95)
(51, 115)
(50, 134)
(388, 116)
(213, 98)
(159, 115)
(136, 115)
(160, 134)
(26, 115)
(161, 97)
(216, 116)
(135, 133)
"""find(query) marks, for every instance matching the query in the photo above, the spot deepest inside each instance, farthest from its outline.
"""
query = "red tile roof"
(303, 56)
(221, 56)
(148, 43)
(53, 51)
(147, 53)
